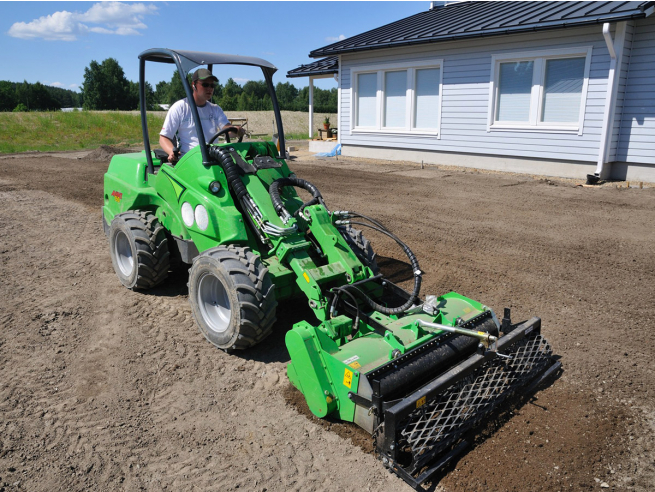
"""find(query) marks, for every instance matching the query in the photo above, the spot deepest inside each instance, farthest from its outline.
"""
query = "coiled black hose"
(415, 268)
(223, 157)
(274, 191)
(280, 183)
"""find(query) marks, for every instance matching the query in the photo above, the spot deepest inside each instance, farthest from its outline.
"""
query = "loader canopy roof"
(191, 59)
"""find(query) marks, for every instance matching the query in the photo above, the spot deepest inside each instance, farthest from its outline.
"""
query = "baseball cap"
(202, 74)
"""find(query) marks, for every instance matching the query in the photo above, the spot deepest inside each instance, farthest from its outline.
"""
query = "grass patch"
(51, 131)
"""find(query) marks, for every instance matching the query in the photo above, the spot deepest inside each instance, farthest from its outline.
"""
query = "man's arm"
(167, 144)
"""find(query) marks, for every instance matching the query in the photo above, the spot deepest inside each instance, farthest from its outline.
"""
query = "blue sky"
(52, 42)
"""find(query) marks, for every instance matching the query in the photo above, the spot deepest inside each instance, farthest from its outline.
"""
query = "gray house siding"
(465, 97)
(637, 128)
(622, 82)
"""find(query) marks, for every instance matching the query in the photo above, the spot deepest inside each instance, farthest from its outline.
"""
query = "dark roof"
(476, 19)
(321, 67)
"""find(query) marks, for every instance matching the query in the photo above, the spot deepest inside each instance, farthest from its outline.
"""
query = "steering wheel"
(226, 131)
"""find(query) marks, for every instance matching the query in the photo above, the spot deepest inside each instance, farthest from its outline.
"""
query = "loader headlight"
(202, 218)
(214, 187)
(187, 214)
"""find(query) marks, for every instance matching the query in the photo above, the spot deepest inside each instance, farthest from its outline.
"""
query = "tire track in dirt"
(134, 380)
(104, 388)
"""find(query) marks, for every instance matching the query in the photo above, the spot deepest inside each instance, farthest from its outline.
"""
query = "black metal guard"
(422, 432)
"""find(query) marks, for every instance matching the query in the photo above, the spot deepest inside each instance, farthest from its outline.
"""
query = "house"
(551, 88)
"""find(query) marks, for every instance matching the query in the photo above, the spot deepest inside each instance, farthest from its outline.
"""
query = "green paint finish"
(335, 246)
(164, 193)
(369, 349)
(177, 187)
(315, 384)
(325, 365)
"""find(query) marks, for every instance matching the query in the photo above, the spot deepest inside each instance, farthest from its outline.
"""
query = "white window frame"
(536, 96)
(380, 70)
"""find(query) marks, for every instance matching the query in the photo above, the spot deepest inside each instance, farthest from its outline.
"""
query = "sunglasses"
(207, 84)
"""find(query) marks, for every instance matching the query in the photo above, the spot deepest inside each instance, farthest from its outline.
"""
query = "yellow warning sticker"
(348, 378)
(355, 365)
(420, 402)
(304, 274)
(481, 333)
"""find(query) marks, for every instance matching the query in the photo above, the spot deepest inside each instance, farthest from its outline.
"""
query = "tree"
(161, 92)
(105, 86)
(229, 100)
(286, 93)
(325, 101)
(176, 89)
(35, 97)
(8, 99)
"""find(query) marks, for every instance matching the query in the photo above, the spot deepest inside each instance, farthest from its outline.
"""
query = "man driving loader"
(179, 120)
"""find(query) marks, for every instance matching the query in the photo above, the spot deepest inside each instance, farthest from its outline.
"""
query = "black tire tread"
(255, 292)
(360, 246)
(153, 257)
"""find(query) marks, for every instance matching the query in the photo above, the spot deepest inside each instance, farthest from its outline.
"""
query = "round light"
(214, 187)
(202, 218)
(187, 214)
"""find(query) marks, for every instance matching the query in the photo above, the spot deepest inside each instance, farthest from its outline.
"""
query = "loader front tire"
(138, 249)
(232, 297)
(361, 247)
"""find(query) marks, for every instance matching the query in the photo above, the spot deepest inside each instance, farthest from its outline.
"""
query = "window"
(396, 98)
(539, 91)
(366, 99)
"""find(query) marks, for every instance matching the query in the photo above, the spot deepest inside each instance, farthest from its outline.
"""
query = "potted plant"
(326, 123)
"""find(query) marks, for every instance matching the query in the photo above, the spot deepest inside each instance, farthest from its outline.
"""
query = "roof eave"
(313, 73)
(496, 32)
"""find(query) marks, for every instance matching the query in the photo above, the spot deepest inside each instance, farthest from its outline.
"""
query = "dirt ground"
(102, 388)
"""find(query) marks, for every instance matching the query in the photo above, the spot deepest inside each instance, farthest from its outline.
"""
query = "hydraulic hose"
(278, 184)
(337, 291)
(415, 268)
(274, 191)
(224, 158)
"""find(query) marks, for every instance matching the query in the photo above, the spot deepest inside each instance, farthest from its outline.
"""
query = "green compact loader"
(416, 373)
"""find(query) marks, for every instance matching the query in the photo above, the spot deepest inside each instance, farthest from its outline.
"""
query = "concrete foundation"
(321, 145)
(545, 167)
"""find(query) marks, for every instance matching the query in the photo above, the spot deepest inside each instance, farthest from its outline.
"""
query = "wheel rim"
(214, 303)
(124, 255)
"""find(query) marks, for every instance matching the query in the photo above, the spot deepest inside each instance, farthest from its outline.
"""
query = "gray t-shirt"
(179, 120)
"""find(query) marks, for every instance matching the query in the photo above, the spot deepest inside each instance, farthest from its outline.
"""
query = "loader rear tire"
(360, 246)
(139, 249)
(232, 297)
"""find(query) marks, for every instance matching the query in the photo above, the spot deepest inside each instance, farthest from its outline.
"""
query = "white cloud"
(73, 86)
(240, 81)
(56, 84)
(110, 18)
(341, 37)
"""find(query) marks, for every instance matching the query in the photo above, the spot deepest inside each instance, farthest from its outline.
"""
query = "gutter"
(542, 26)
(615, 49)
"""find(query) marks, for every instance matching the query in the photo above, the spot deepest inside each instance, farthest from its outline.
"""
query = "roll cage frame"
(185, 61)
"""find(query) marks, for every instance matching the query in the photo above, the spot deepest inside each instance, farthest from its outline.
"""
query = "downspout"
(311, 107)
(615, 50)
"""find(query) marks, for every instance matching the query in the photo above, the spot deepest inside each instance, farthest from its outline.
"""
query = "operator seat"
(163, 156)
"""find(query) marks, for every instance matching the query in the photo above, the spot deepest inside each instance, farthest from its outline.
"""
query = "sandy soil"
(102, 388)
